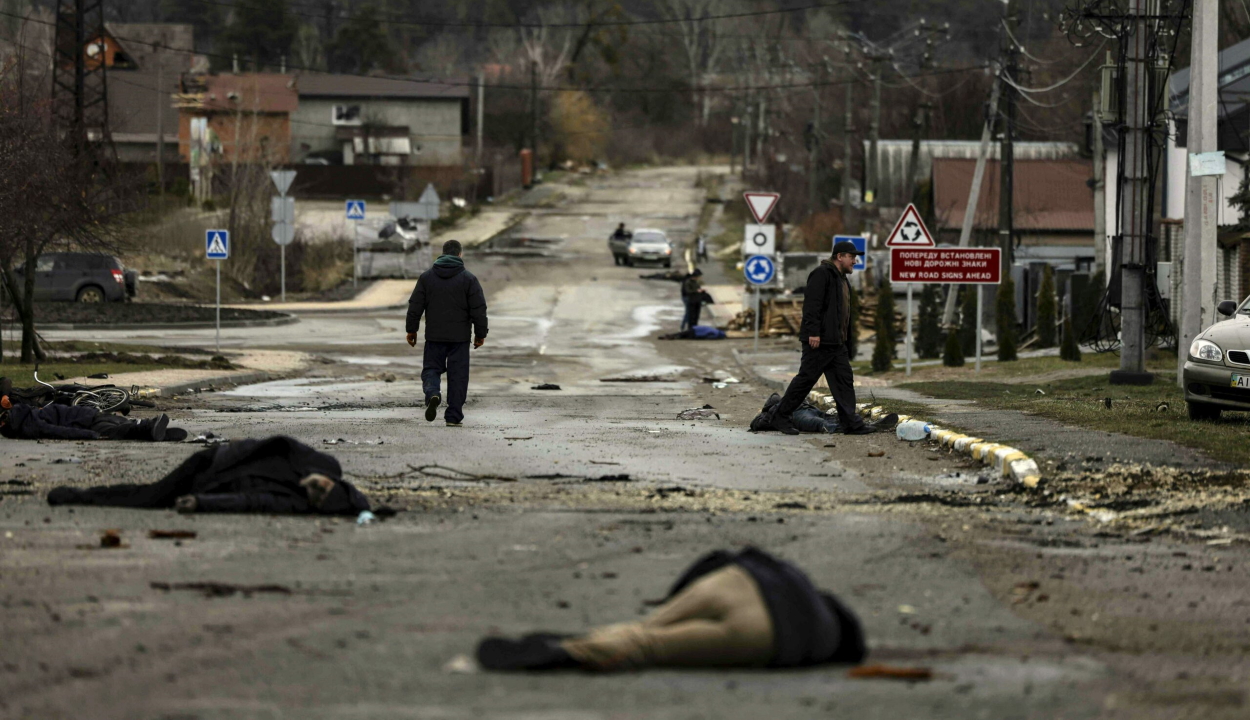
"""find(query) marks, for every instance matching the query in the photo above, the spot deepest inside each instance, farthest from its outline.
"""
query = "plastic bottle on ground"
(912, 430)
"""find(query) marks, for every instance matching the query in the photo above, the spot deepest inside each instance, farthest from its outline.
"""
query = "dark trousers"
(451, 358)
(835, 364)
(694, 308)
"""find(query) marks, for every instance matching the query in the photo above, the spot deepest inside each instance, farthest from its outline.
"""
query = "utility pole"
(747, 122)
(481, 116)
(534, 109)
(1100, 189)
(848, 129)
(1198, 258)
(920, 127)
(161, 99)
(974, 197)
(1134, 226)
(813, 153)
(874, 133)
(1006, 159)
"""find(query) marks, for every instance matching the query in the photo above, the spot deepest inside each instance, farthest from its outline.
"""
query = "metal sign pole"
(756, 346)
(218, 341)
(283, 272)
(355, 252)
(909, 329)
(979, 315)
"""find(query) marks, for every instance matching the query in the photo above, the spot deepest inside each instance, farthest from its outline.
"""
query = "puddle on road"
(647, 319)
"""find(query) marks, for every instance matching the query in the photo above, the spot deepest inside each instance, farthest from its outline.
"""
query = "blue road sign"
(861, 244)
(355, 209)
(217, 244)
(759, 269)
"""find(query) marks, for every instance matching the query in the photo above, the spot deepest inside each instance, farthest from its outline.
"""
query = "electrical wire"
(1007, 78)
(1020, 45)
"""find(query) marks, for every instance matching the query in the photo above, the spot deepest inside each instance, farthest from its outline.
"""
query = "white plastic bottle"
(912, 430)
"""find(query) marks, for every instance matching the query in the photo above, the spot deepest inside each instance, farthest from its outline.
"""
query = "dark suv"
(81, 277)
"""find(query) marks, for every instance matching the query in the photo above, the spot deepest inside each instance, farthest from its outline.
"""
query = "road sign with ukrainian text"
(761, 204)
(355, 209)
(910, 231)
(861, 244)
(955, 266)
(217, 244)
(759, 270)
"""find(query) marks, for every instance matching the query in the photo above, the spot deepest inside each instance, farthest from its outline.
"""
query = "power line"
(1007, 78)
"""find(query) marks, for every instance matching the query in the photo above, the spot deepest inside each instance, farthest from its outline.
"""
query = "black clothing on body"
(807, 418)
(242, 476)
(809, 627)
(834, 363)
(453, 359)
(452, 301)
(826, 310)
(78, 422)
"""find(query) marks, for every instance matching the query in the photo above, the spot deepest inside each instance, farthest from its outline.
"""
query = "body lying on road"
(274, 475)
(80, 422)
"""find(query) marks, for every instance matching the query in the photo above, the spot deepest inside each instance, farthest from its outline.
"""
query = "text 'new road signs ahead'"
(761, 204)
(861, 244)
(759, 240)
(910, 231)
(355, 209)
(217, 244)
(958, 266)
(759, 270)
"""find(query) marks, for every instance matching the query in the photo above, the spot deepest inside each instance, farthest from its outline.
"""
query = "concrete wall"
(433, 125)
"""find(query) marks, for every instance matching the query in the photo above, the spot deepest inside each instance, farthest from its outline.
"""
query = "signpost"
(759, 240)
(759, 270)
(909, 232)
(955, 266)
(217, 247)
(283, 216)
(355, 211)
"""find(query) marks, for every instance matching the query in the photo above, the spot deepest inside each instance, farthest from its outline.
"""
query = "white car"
(1217, 372)
(646, 245)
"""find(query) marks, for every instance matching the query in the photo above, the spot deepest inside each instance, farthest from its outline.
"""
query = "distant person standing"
(692, 298)
(700, 245)
(453, 303)
(825, 335)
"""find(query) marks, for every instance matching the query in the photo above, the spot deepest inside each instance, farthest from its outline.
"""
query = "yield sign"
(761, 204)
(910, 231)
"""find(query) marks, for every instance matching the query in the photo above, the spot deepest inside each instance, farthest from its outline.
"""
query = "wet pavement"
(1021, 610)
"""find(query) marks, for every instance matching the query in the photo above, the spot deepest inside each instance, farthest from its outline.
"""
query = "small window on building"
(346, 115)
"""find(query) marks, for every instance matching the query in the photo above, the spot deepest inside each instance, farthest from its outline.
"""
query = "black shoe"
(532, 653)
(431, 407)
(159, 427)
(862, 430)
(886, 422)
(782, 423)
(175, 435)
(772, 402)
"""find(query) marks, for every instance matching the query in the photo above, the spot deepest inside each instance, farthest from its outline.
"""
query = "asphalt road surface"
(1019, 612)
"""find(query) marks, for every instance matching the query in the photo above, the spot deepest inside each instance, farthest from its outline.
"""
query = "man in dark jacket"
(692, 297)
(452, 301)
(825, 334)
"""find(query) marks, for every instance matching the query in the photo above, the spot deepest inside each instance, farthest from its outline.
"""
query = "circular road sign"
(759, 269)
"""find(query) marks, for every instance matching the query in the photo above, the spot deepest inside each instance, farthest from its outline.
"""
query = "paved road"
(1021, 612)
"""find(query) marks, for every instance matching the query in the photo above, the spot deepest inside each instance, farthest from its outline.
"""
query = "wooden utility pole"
(1006, 159)
(534, 110)
(848, 129)
(1100, 189)
(874, 134)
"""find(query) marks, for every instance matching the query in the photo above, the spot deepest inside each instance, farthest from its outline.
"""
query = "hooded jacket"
(822, 306)
(452, 301)
(54, 421)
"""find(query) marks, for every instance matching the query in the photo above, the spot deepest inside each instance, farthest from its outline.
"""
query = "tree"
(1046, 309)
(580, 128)
(968, 319)
(929, 340)
(1005, 315)
(204, 17)
(361, 45)
(262, 31)
(953, 355)
(1069, 350)
(885, 316)
(701, 41)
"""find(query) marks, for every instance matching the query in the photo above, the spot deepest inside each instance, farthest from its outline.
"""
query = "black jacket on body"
(452, 301)
(809, 627)
(822, 306)
(53, 422)
(242, 476)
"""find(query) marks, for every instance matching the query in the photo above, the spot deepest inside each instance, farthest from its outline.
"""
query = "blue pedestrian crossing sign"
(355, 209)
(217, 244)
(759, 269)
(861, 244)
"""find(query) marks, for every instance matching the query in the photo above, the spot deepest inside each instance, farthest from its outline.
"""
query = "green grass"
(1024, 368)
(24, 375)
(1081, 402)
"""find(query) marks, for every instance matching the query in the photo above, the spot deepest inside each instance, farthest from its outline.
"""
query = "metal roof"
(357, 86)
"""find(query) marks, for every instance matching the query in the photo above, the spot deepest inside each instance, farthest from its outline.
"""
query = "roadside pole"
(283, 217)
(355, 212)
(909, 285)
(755, 346)
(759, 270)
(217, 247)
(980, 294)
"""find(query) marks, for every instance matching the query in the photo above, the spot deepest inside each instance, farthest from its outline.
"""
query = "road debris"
(172, 534)
(876, 453)
(547, 386)
(890, 672)
(640, 378)
(707, 411)
(221, 589)
(109, 539)
(341, 441)
(387, 377)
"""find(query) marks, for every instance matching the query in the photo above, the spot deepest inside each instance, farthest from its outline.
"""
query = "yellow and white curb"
(1006, 460)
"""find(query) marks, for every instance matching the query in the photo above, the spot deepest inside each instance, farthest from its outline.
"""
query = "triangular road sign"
(910, 231)
(282, 180)
(761, 204)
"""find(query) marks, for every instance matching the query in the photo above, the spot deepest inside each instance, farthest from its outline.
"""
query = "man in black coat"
(452, 301)
(825, 335)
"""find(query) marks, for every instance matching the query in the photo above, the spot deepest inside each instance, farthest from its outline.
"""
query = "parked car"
(645, 245)
(81, 277)
(1217, 374)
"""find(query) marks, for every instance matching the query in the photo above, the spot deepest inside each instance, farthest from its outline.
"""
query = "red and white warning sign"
(910, 231)
(761, 204)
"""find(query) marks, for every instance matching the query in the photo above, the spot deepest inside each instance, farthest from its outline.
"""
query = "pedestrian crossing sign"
(217, 244)
(355, 209)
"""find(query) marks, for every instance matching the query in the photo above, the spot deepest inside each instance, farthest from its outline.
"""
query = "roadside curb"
(169, 391)
(519, 217)
(1007, 461)
(286, 319)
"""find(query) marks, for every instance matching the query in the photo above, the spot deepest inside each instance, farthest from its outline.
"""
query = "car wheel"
(1203, 411)
(668, 263)
(91, 294)
(629, 262)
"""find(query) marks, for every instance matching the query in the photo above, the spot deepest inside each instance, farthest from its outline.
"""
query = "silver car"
(649, 246)
(1217, 373)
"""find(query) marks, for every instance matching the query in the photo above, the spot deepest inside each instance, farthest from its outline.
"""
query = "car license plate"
(1241, 381)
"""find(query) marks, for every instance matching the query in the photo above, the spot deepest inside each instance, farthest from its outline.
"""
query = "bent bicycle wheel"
(103, 399)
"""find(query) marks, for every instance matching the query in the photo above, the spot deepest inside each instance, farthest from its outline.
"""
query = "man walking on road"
(825, 335)
(452, 301)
